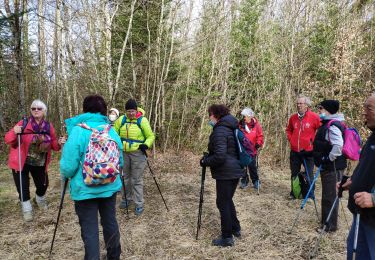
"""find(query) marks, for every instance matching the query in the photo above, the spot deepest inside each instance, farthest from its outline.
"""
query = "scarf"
(42, 137)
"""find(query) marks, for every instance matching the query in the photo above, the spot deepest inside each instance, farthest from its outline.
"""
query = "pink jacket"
(11, 140)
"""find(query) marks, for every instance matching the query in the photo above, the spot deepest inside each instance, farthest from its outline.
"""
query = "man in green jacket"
(136, 136)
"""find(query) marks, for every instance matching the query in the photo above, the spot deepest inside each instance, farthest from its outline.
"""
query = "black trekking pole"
(124, 190)
(203, 177)
(306, 198)
(58, 215)
(153, 176)
(309, 182)
(323, 230)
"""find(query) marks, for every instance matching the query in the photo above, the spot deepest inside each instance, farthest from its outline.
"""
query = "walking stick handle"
(341, 189)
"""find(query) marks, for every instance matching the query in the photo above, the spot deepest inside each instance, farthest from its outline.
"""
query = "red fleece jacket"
(301, 131)
(11, 140)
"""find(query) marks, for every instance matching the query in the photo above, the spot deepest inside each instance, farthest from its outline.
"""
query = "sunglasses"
(37, 108)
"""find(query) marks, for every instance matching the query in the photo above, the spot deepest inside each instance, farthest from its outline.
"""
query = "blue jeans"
(366, 242)
(87, 211)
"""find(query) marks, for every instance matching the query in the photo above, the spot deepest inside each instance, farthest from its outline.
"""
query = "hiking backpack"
(139, 121)
(102, 158)
(352, 141)
(300, 186)
(245, 148)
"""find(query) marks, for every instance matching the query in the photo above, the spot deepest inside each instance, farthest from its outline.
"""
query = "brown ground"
(157, 234)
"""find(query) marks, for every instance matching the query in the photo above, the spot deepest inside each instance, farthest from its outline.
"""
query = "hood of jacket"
(339, 117)
(228, 121)
(85, 118)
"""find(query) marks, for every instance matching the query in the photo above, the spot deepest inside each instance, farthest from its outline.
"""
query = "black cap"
(332, 106)
(131, 104)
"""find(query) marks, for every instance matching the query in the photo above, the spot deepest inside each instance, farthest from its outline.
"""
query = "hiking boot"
(138, 211)
(327, 230)
(124, 204)
(28, 216)
(27, 211)
(256, 185)
(223, 242)
(244, 183)
(41, 202)
(237, 234)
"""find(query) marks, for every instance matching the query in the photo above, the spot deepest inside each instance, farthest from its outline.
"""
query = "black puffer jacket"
(223, 155)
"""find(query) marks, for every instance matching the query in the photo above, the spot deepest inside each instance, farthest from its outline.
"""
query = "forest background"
(176, 57)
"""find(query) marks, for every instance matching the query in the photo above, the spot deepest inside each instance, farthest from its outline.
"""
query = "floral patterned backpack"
(102, 158)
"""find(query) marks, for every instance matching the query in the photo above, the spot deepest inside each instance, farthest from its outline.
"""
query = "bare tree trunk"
(16, 28)
(108, 18)
(41, 47)
(113, 91)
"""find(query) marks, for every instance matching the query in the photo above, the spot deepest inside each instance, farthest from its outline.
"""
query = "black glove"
(257, 146)
(143, 147)
(202, 161)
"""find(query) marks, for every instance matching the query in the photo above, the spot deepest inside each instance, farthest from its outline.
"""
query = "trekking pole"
(323, 230)
(343, 212)
(313, 195)
(153, 176)
(203, 177)
(257, 167)
(306, 198)
(355, 242)
(124, 190)
(24, 123)
(58, 215)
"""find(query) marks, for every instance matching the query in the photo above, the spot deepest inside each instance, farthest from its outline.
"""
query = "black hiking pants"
(329, 180)
(253, 172)
(87, 212)
(224, 201)
(39, 176)
(296, 163)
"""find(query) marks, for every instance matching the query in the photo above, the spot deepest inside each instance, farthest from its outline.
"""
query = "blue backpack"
(245, 148)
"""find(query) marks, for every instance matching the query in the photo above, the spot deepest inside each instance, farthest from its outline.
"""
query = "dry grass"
(157, 234)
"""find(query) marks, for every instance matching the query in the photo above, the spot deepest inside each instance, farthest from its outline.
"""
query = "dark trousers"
(296, 162)
(253, 171)
(224, 201)
(329, 180)
(87, 211)
(40, 178)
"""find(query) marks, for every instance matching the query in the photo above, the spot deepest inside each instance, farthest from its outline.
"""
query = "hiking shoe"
(244, 184)
(28, 216)
(223, 242)
(139, 211)
(327, 230)
(256, 185)
(41, 202)
(124, 204)
(27, 210)
(237, 234)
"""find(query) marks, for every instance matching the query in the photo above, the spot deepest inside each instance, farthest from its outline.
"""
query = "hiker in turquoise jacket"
(136, 136)
(89, 200)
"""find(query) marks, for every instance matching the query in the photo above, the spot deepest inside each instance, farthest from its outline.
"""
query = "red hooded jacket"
(11, 140)
(254, 133)
(301, 132)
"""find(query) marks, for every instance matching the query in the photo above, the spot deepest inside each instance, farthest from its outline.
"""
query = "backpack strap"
(338, 124)
(131, 141)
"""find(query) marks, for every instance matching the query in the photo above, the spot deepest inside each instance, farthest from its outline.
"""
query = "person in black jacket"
(327, 153)
(225, 169)
(362, 192)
